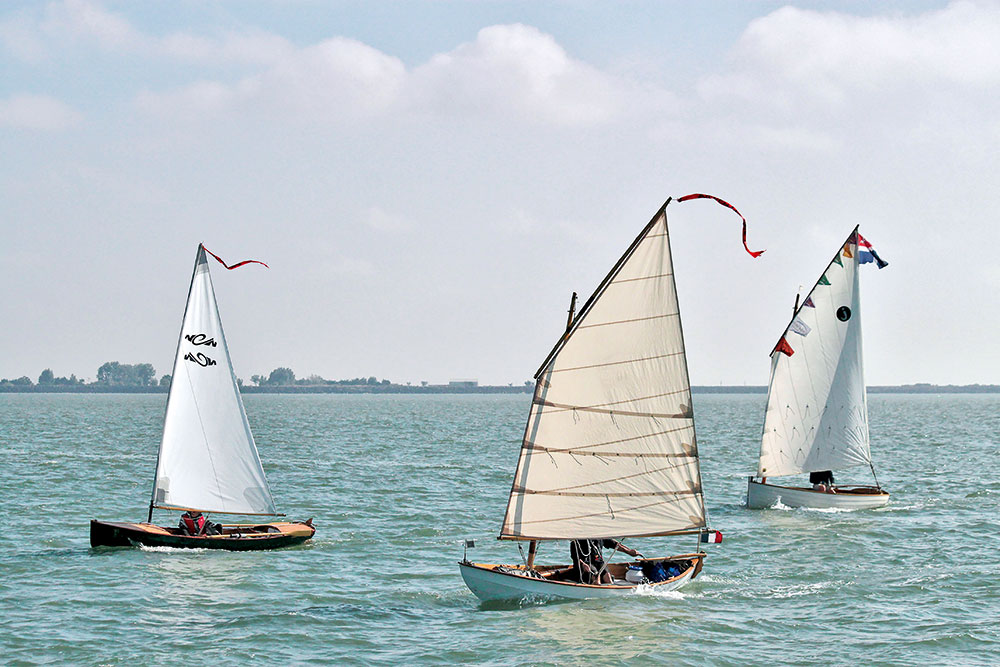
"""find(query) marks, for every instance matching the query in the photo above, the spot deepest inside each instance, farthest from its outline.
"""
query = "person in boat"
(588, 559)
(822, 481)
(194, 523)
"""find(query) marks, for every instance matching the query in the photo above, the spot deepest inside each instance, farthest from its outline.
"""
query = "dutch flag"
(866, 253)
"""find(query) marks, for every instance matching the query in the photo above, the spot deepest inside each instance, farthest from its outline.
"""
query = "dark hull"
(255, 537)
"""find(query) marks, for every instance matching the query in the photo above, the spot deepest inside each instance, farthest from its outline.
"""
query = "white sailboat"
(817, 407)
(207, 459)
(609, 449)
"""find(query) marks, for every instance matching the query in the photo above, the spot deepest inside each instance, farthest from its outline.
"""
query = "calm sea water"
(395, 484)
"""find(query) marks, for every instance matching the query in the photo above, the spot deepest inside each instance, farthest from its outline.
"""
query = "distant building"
(465, 384)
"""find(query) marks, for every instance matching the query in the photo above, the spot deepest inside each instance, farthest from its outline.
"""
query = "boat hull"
(489, 584)
(763, 496)
(237, 537)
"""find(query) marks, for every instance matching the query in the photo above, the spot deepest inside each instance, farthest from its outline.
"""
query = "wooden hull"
(489, 584)
(763, 496)
(236, 537)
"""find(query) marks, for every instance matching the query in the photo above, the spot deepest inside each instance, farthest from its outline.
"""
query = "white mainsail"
(817, 407)
(208, 460)
(609, 449)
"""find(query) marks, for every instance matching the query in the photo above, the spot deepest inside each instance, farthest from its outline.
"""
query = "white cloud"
(517, 68)
(37, 112)
(380, 220)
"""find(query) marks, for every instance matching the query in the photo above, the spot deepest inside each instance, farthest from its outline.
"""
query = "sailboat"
(207, 459)
(817, 407)
(609, 449)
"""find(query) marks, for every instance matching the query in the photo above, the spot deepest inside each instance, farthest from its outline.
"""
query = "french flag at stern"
(711, 537)
(866, 253)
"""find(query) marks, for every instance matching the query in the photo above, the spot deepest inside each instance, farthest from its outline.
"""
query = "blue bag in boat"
(655, 572)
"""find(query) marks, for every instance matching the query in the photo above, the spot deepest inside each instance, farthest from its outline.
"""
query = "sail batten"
(616, 386)
(207, 458)
(816, 417)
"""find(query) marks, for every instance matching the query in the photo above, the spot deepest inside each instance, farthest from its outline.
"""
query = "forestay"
(817, 413)
(207, 459)
(609, 449)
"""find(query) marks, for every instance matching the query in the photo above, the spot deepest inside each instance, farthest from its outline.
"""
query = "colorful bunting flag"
(808, 303)
(799, 327)
(847, 250)
(836, 258)
(866, 253)
(784, 347)
(823, 280)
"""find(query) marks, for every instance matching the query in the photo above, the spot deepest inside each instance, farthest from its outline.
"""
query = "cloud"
(83, 23)
(378, 219)
(37, 112)
(517, 68)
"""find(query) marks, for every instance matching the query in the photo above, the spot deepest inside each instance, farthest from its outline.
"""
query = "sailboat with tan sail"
(609, 449)
(208, 460)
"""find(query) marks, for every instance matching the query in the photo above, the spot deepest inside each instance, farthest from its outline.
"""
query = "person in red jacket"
(193, 523)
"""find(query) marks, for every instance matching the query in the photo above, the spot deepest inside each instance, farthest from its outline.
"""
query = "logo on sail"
(843, 313)
(200, 339)
(199, 359)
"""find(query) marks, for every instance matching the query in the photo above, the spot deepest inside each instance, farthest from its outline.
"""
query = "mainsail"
(609, 449)
(817, 408)
(208, 460)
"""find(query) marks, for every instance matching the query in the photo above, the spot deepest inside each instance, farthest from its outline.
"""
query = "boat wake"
(169, 550)
(646, 590)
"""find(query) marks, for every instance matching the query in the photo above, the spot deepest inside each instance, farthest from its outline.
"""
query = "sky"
(429, 181)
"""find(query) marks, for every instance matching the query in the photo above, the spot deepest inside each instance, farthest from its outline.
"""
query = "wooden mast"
(533, 544)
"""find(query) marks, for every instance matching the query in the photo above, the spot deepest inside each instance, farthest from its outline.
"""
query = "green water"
(395, 483)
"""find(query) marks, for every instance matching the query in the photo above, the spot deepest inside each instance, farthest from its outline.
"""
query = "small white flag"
(799, 327)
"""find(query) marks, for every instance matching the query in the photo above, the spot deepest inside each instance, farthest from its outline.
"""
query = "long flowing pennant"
(237, 264)
(753, 253)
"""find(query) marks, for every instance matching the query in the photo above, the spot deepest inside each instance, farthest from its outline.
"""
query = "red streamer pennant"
(753, 253)
(237, 264)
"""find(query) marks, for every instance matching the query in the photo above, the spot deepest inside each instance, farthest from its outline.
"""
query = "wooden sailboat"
(609, 449)
(817, 406)
(207, 459)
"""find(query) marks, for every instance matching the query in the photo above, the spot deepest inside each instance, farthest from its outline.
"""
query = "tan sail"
(609, 449)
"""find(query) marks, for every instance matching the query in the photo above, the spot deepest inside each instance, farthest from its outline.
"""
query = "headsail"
(207, 460)
(609, 449)
(817, 411)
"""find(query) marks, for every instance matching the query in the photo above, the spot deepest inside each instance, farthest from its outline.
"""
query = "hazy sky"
(429, 181)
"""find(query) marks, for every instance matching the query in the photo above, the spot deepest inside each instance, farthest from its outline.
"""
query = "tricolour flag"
(866, 253)
(711, 537)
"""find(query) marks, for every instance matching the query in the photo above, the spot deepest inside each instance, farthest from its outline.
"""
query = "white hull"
(762, 496)
(491, 585)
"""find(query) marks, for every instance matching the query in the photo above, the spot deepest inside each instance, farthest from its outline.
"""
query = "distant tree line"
(285, 377)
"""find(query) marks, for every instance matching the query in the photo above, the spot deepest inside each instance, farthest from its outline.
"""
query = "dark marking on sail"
(200, 339)
(843, 313)
(199, 359)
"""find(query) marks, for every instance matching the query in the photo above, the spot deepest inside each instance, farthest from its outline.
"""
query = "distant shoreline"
(484, 389)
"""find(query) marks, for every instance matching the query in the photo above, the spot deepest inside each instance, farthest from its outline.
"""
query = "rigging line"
(627, 400)
(636, 455)
(629, 280)
(620, 511)
(630, 321)
(528, 444)
(676, 466)
(613, 413)
(618, 363)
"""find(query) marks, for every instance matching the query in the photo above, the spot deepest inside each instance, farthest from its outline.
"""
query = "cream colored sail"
(208, 460)
(817, 411)
(609, 449)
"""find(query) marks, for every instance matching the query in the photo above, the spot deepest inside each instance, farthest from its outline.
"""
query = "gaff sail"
(609, 449)
(817, 407)
(207, 460)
